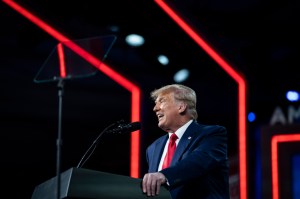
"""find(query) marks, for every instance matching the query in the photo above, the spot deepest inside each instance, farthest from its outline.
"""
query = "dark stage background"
(260, 39)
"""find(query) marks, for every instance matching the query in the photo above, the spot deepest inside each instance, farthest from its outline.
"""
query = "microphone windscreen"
(135, 126)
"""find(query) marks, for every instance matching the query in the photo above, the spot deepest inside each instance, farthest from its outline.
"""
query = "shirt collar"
(181, 130)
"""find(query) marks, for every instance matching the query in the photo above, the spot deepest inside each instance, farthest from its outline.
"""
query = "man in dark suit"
(199, 167)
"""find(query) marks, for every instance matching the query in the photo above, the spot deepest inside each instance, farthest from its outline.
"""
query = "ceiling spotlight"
(181, 75)
(164, 60)
(114, 28)
(134, 40)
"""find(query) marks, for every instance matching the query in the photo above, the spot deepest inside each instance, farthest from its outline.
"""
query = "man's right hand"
(152, 183)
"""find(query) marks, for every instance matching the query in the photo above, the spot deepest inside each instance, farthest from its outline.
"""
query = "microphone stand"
(60, 86)
(91, 149)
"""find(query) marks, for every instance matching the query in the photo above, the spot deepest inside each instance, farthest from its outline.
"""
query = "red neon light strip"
(241, 92)
(135, 108)
(61, 58)
(276, 139)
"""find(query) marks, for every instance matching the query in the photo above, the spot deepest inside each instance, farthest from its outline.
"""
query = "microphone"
(126, 128)
(122, 128)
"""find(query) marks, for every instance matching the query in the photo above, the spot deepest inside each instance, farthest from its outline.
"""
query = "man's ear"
(182, 107)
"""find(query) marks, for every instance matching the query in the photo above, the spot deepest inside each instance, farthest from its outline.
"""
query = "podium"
(82, 183)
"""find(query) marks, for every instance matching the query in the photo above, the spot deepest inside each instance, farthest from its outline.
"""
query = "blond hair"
(181, 93)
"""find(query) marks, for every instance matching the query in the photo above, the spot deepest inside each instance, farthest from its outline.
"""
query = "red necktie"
(171, 151)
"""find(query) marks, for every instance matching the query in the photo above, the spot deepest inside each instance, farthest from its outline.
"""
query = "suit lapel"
(159, 147)
(184, 142)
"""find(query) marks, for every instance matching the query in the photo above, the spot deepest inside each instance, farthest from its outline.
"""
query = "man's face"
(167, 112)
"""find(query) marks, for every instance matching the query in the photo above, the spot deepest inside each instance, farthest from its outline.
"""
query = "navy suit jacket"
(200, 167)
